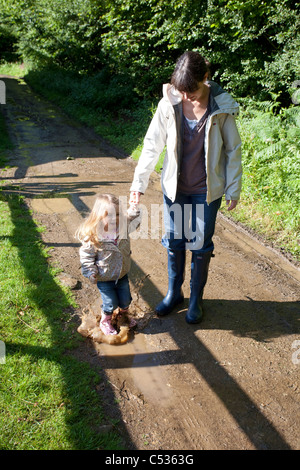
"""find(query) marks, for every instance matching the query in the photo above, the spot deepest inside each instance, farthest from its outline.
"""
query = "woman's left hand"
(232, 204)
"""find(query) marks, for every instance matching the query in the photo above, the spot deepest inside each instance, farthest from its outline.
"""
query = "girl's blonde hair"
(104, 205)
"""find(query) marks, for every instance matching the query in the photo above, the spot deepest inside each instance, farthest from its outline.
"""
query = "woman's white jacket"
(222, 146)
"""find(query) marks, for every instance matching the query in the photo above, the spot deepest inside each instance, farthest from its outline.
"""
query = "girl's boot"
(176, 268)
(105, 324)
(132, 322)
(199, 273)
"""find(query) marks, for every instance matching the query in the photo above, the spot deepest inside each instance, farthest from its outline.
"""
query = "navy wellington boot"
(176, 269)
(199, 273)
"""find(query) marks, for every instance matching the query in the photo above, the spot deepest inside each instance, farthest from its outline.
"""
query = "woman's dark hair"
(190, 69)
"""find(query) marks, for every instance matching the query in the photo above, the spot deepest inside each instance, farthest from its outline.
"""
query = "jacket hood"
(172, 95)
(221, 101)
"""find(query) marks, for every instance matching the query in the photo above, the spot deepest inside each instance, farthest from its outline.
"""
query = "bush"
(270, 198)
(253, 45)
(102, 91)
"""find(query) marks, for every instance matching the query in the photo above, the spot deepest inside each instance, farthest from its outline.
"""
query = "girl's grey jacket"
(222, 146)
(109, 261)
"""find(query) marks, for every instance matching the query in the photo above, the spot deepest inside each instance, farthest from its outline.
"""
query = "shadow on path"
(259, 320)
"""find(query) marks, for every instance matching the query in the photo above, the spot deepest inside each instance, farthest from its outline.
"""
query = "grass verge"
(48, 398)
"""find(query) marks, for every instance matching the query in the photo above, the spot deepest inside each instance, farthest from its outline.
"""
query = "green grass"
(48, 398)
(14, 69)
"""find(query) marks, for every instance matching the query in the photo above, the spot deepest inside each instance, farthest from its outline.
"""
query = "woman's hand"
(232, 204)
(134, 197)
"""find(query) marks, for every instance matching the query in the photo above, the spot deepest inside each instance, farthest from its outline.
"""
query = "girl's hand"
(232, 205)
(93, 278)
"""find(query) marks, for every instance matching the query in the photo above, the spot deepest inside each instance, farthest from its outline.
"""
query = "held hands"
(134, 197)
(134, 200)
(232, 204)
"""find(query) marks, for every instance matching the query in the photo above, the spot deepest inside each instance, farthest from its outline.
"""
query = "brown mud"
(231, 382)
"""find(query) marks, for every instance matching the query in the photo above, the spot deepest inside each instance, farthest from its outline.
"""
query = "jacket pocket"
(109, 265)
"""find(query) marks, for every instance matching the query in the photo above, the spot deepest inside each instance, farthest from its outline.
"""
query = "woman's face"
(198, 94)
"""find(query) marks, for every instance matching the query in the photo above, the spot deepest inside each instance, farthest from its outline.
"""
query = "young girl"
(105, 256)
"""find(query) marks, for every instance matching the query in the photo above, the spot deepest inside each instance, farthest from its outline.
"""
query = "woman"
(195, 120)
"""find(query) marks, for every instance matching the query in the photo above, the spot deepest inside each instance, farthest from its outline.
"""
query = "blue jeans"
(190, 223)
(114, 294)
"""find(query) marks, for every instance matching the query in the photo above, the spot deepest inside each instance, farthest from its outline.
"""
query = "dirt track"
(231, 382)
